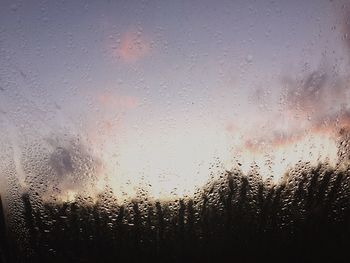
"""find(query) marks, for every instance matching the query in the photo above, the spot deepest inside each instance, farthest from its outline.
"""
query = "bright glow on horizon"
(179, 163)
(169, 164)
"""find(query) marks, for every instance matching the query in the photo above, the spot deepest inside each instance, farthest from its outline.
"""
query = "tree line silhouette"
(238, 218)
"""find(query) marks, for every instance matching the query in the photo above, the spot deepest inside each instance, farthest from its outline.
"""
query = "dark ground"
(234, 219)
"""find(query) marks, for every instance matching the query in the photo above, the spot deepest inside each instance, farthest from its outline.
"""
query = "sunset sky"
(160, 91)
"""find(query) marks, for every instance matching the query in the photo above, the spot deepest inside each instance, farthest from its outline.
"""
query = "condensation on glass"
(170, 128)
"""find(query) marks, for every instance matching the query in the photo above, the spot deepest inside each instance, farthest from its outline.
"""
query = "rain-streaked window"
(174, 130)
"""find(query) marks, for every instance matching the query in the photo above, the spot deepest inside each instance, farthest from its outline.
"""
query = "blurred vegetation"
(237, 217)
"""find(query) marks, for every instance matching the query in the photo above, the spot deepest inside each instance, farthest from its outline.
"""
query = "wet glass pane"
(174, 130)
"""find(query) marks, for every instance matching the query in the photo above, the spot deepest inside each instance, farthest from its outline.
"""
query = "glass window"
(172, 129)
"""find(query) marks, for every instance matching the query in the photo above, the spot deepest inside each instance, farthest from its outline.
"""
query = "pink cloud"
(132, 47)
(110, 100)
(105, 128)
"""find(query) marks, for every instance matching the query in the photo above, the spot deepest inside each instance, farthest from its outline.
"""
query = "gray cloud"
(308, 92)
(59, 164)
(61, 161)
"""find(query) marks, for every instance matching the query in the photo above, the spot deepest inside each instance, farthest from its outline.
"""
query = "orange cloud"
(132, 47)
(333, 128)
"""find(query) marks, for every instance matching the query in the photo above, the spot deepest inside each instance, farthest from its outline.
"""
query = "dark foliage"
(236, 219)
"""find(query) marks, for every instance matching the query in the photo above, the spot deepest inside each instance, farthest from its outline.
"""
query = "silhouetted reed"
(238, 217)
